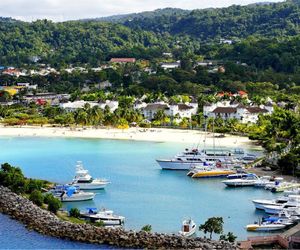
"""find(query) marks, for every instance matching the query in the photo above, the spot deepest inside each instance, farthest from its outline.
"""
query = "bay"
(139, 189)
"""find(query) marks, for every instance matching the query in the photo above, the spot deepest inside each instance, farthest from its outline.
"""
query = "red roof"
(241, 92)
(123, 60)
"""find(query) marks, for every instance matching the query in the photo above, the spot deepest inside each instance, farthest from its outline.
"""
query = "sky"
(62, 10)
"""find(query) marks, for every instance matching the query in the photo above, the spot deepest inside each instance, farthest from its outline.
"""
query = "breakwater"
(47, 223)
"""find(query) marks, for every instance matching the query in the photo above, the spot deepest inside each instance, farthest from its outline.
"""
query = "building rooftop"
(224, 110)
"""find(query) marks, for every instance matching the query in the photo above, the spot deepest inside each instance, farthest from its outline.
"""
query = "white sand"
(139, 134)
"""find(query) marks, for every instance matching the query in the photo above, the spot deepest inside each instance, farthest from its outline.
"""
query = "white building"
(227, 110)
(72, 106)
(181, 110)
(171, 65)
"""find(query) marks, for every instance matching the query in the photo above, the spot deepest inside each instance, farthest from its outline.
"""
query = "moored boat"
(70, 193)
(188, 228)
(211, 172)
(85, 181)
(249, 180)
(106, 216)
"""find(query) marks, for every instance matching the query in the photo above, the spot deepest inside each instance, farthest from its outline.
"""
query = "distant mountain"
(8, 19)
(261, 19)
(141, 15)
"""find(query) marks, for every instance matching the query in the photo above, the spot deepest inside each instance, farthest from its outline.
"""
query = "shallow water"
(139, 189)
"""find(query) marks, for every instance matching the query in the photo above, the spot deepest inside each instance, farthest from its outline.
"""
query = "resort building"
(176, 111)
(244, 113)
(73, 106)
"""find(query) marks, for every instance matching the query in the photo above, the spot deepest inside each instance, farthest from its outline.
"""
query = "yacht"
(106, 216)
(188, 228)
(211, 172)
(270, 224)
(260, 204)
(293, 201)
(70, 193)
(192, 158)
(85, 181)
(249, 180)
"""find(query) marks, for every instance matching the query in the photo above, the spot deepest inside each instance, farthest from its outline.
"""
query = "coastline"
(136, 134)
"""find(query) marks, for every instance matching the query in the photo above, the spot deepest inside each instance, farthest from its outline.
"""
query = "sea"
(139, 189)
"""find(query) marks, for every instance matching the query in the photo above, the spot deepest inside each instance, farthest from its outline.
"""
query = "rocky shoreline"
(47, 223)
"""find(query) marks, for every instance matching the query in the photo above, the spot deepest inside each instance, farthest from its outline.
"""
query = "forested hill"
(268, 20)
(75, 41)
(142, 15)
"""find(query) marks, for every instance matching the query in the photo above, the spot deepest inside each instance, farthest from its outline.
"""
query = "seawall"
(47, 223)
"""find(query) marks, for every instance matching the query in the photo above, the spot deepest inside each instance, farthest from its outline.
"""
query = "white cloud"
(60, 10)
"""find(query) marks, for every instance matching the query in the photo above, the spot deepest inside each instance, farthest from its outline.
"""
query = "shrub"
(48, 197)
(54, 204)
(37, 197)
(74, 212)
(147, 228)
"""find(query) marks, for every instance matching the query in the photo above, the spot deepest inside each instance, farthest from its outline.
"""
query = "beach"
(138, 134)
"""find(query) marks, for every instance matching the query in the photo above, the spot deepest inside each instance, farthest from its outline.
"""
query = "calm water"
(139, 189)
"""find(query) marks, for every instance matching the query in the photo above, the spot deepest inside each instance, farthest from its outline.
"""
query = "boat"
(70, 193)
(85, 181)
(249, 180)
(293, 201)
(261, 203)
(211, 172)
(188, 228)
(237, 176)
(263, 181)
(106, 216)
(267, 225)
(285, 186)
(192, 158)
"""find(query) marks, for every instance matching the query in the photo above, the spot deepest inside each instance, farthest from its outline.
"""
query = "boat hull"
(177, 165)
(77, 198)
(212, 174)
(271, 227)
(90, 186)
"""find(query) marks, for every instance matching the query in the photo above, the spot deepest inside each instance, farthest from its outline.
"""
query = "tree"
(147, 228)
(54, 204)
(229, 237)
(74, 212)
(212, 225)
(37, 197)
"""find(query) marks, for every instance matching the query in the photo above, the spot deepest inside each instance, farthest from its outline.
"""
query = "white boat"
(261, 203)
(106, 216)
(266, 226)
(263, 181)
(293, 201)
(71, 193)
(249, 180)
(192, 158)
(211, 172)
(85, 181)
(188, 228)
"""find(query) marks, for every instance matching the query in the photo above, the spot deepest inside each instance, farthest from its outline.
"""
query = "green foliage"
(99, 223)
(37, 198)
(288, 164)
(229, 237)
(54, 204)
(146, 228)
(74, 212)
(212, 225)
(13, 178)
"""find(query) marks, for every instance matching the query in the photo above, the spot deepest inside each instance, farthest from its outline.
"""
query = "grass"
(64, 216)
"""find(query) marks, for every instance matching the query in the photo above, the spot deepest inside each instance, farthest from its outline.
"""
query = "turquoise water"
(139, 189)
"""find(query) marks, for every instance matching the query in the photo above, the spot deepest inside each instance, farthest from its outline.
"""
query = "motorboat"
(237, 176)
(70, 193)
(188, 228)
(261, 203)
(85, 181)
(293, 201)
(263, 181)
(272, 224)
(211, 172)
(192, 158)
(106, 216)
(249, 180)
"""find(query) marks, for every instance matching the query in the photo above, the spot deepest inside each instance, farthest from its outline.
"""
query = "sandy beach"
(138, 134)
